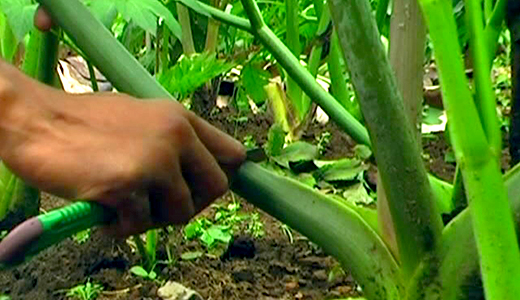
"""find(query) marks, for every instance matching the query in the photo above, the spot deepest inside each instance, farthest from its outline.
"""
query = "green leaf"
(20, 16)
(431, 116)
(340, 170)
(192, 230)
(191, 255)
(275, 140)
(207, 240)
(104, 10)
(152, 275)
(357, 194)
(362, 152)
(220, 233)
(145, 14)
(295, 153)
(191, 72)
(139, 271)
(5, 297)
(253, 80)
(8, 43)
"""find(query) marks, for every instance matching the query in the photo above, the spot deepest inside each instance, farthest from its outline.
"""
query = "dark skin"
(153, 161)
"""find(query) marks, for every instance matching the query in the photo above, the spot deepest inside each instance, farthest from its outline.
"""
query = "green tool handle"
(38, 233)
(62, 223)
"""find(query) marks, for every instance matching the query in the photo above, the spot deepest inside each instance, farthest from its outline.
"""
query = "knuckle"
(178, 128)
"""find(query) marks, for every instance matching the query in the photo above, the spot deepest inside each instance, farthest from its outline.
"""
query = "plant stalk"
(217, 14)
(188, 45)
(265, 190)
(292, 39)
(488, 202)
(494, 26)
(484, 94)
(212, 31)
(416, 219)
(308, 83)
(337, 79)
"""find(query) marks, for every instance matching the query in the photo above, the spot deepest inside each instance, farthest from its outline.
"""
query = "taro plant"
(432, 261)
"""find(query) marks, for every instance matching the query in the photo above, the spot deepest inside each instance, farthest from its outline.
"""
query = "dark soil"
(272, 268)
(265, 268)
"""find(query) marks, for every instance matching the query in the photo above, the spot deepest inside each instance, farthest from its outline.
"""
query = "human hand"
(153, 161)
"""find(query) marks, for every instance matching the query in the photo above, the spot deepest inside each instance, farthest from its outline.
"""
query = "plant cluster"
(216, 233)
(402, 251)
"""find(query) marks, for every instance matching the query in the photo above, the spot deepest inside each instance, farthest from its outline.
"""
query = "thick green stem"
(416, 219)
(407, 43)
(459, 273)
(484, 93)
(188, 45)
(308, 83)
(491, 214)
(292, 38)
(328, 222)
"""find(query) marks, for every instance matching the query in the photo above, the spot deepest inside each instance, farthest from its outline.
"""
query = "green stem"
(267, 191)
(165, 49)
(322, 35)
(459, 269)
(330, 223)
(93, 79)
(32, 54)
(212, 31)
(306, 81)
(292, 38)
(491, 213)
(187, 37)
(494, 26)
(48, 57)
(485, 95)
(416, 219)
(337, 79)
(219, 15)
